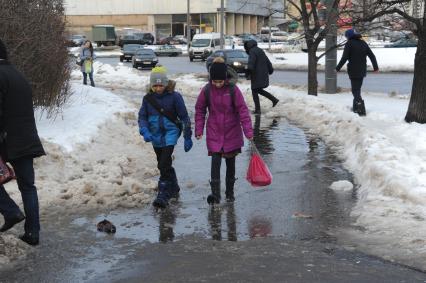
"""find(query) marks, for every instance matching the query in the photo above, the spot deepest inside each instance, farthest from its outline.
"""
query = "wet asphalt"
(279, 233)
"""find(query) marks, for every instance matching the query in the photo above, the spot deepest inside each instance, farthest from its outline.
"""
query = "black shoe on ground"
(30, 239)
(10, 222)
(212, 199)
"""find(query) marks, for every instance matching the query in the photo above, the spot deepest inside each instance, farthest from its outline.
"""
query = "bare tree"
(34, 33)
(392, 11)
(316, 25)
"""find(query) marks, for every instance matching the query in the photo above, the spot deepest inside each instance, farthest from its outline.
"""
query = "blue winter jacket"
(164, 132)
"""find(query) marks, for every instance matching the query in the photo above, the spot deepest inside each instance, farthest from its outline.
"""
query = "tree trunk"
(417, 106)
(312, 72)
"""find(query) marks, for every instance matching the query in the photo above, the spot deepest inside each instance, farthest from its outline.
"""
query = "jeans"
(256, 91)
(164, 163)
(92, 82)
(24, 171)
(356, 84)
(216, 163)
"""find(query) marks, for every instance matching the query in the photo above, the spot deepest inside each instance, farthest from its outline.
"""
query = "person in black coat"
(259, 68)
(19, 144)
(356, 52)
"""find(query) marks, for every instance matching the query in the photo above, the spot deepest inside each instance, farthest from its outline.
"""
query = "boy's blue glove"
(147, 136)
(188, 144)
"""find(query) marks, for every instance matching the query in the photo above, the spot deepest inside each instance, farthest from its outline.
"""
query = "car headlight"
(138, 60)
(237, 64)
(155, 59)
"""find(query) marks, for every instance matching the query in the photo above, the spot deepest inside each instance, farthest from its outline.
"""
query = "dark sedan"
(237, 59)
(144, 58)
(129, 51)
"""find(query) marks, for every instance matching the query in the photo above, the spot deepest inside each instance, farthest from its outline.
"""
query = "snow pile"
(388, 59)
(84, 112)
(119, 76)
(342, 186)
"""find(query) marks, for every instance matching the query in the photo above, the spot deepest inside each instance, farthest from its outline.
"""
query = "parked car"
(403, 42)
(235, 58)
(144, 58)
(168, 50)
(246, 37)
(129, 51)
(180, 39)
(76, 40)
(145, 37)
(279, 36)
(167, 40)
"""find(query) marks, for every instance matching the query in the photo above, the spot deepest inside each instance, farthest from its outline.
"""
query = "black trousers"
(255, 93)
(356, 84)
(217, 162)
(24, 171)
(164, 163)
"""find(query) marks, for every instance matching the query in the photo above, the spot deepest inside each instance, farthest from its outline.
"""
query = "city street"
(400, 83)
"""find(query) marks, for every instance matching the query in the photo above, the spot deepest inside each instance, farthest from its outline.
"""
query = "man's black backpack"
(231, 92)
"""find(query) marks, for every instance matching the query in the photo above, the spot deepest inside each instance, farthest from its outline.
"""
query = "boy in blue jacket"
(162, 131)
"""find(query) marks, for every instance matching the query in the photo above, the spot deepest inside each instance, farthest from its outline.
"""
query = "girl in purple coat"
(228, 118)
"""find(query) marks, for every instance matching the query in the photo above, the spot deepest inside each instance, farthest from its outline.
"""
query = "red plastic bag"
(258, 173)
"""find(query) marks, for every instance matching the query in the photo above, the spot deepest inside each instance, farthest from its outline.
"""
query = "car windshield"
(236, 54)
(77, 36)
(201, 42)
(131, 47)
(145, 52)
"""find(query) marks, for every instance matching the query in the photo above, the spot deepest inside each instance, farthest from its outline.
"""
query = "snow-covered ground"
(97, 160)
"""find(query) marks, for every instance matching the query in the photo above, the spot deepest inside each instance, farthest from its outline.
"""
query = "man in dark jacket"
(259, 68)
(19, 144)
(356, 50)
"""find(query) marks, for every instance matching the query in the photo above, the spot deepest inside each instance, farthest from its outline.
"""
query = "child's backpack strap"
(231, 92)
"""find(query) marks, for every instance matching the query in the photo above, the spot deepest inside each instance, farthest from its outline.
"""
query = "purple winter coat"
(224, 121)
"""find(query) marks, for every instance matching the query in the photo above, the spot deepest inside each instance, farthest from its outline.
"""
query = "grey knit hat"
(158, 77)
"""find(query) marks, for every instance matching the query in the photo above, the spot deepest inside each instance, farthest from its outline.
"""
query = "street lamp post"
(188, 24)
(222, 19)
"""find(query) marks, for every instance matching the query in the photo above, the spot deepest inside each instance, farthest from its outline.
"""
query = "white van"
(203, 45)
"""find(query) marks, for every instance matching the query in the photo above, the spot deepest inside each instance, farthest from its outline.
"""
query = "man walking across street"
(356, 50)
(259, 68)
(19, 145)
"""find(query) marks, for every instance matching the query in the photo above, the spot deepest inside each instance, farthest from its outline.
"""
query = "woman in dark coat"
(356, 52)
(19, 144)
(259, 68)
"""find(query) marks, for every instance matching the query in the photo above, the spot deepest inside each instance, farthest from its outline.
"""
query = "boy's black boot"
(174, 186)
(163, 196)
(214, 197)
(229, 192)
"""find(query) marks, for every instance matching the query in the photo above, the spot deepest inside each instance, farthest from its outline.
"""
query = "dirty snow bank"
(96, 160)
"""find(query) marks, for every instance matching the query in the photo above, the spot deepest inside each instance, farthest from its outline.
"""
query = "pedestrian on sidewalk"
(356, 52)
(258, 70)
(87, 56)
(162, 119)
(228, 117)
(19, 145)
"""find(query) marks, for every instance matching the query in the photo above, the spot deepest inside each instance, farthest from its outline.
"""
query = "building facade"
(167, 17)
